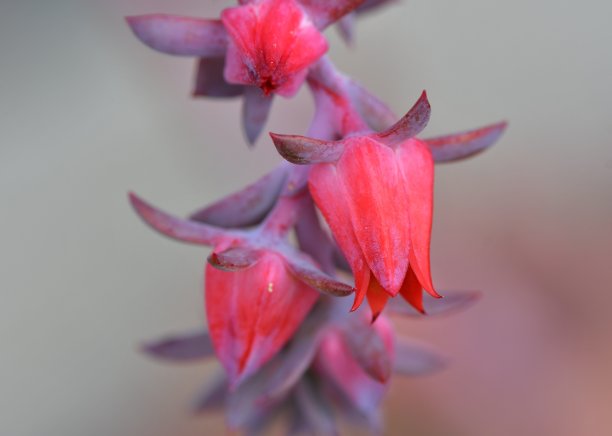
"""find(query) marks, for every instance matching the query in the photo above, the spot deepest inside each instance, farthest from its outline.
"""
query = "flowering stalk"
(286, 341)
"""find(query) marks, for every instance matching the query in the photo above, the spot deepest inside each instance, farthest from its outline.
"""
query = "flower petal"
(413, 359)
(186, 347)
(412, 291)
(255, 110)
(302, 150)
(177, 228)
(463, 145)
(378, 208)
(248, 206)
(273, 44)
(209, 80)
(409, 125)
(417, 171)
(184, 36)
(377, 298)
(253, 312)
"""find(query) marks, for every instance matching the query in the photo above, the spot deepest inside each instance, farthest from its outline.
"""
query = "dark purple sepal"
(459, 146)
(181, 348)
(248, 206)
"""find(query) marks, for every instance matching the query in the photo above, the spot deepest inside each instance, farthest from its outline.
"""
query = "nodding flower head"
(271, 45)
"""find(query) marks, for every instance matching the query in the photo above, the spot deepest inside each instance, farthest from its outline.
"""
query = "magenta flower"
(272, 44)
(259, 289)
(286, 343)
(257, 49)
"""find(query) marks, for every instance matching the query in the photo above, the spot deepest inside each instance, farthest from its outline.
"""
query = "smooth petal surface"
(413, 359)
(325, 12)
(248, 206)
(253, 312)
(459, 146)
(181, 348)
(378, 208)
(273, 44)
(184, 36)
(412, 291)
(255, 110)
(177, 228)
(417, 172)
(409, 125)
(209, 80)
(302, 150)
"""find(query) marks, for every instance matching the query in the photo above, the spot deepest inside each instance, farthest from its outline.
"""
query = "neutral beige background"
(87, 114)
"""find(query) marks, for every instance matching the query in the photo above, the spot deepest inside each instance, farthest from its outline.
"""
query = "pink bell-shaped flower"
(271, 45)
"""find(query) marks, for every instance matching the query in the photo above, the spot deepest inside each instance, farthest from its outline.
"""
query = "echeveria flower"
(257, 49)
(272, 44)
(259, 289)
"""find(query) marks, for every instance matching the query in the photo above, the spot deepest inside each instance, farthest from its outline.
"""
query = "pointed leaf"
(368, 348)
(309, 274)
(177, 228)
(325, 12)
(301, 150)
(413, 359)
(180, 348)
(209, 80)
(346, 28)
(374, 111)
(336, 364)
(248, 206)
(255, 109)
(184, 36)
(451, 302)
(409, 125)
(315, 408)
(463, 145)
(234, 259)
(253, 312)
(291, 364)
(212, 397)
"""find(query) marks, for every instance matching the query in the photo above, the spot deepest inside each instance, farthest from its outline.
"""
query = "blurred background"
(88, 113)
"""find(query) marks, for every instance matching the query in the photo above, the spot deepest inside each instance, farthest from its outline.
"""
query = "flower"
(272, 44)
(375, 191)
(257, 49)
(259, 289)
(253, 312)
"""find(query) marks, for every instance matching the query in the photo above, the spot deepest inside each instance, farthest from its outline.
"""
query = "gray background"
(88, 113)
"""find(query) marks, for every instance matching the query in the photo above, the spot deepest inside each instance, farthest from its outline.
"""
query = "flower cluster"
(286, 341)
